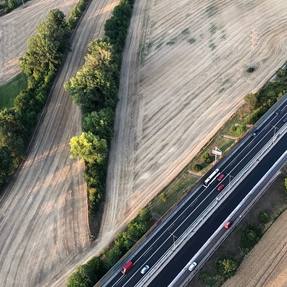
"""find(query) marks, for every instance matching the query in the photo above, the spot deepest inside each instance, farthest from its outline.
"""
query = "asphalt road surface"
(176, 224)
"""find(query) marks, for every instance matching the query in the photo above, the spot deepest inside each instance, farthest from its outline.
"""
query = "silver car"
(144, 269)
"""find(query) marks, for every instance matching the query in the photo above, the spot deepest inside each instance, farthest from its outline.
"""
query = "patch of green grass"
(9, 91)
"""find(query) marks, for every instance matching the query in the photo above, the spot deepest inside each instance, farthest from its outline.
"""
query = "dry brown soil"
(17, 26)
(184, 74)
(265, 265)
(43, 212)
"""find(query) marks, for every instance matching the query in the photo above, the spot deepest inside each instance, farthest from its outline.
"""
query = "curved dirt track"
(192, 78)
(43, 219)
(265, 265)
(17, 26)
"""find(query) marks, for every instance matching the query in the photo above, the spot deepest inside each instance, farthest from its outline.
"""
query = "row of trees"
(9, 5)
(88, 274)
(261, 101)
(45, 53)
(95, 89)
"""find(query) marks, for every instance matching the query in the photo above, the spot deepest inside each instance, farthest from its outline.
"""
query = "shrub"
(264, 217)
(76, 13)
(197, 167)
(249, 237)
(226, 267)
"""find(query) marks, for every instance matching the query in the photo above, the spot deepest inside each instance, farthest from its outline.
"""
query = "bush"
(76, 13)
(211, 280)
(197, 167)
(249, 237)
(226, 267)
(264, 217)
(207, 158)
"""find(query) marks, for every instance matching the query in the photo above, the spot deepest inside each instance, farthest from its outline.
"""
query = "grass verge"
(10, 90)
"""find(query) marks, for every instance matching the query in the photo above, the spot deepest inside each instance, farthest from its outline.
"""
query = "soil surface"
(17, 26)
(43, 212)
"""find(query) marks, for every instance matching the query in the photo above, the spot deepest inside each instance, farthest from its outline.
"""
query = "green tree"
(264, 217)
(6, 164)
(89, 147)
(285, 182)
(93, 86)
(46, 48)
(11, 132)
(100, 123)
(226, 267)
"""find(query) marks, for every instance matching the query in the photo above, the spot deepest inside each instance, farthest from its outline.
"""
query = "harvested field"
(266, 264)
(17, 26)
(184, 74)
(43, 212)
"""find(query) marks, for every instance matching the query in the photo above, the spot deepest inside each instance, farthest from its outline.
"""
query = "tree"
(89, 147)
(11, 132)
(285, 181)
(93, 87)
(226, 267)
(6, 164)
(100, 123)
(46, 48)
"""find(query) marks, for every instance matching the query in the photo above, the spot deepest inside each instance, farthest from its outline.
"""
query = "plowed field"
(184, 74)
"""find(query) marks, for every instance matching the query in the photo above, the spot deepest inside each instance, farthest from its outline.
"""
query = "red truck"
(127, 266)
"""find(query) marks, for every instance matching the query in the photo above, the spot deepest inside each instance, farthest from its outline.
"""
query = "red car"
(227, 224)
(220, 187)
(127, 266)
(221, 177)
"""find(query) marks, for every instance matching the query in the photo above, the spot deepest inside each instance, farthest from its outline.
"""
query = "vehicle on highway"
(144, 269)
(192, 266)
(227, 224)
(220, 187)
(127, 266)
(221, 177)
(211, 177)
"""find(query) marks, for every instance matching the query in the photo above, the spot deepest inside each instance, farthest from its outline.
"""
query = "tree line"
(90, 273)
(45, 53)
(94, 88)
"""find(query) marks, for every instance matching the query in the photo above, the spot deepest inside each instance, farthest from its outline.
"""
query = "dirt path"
(17, 26)
(266, 264)
(43, 213)
(191, 79)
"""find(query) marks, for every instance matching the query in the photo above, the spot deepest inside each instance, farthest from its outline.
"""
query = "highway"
(166, 235)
